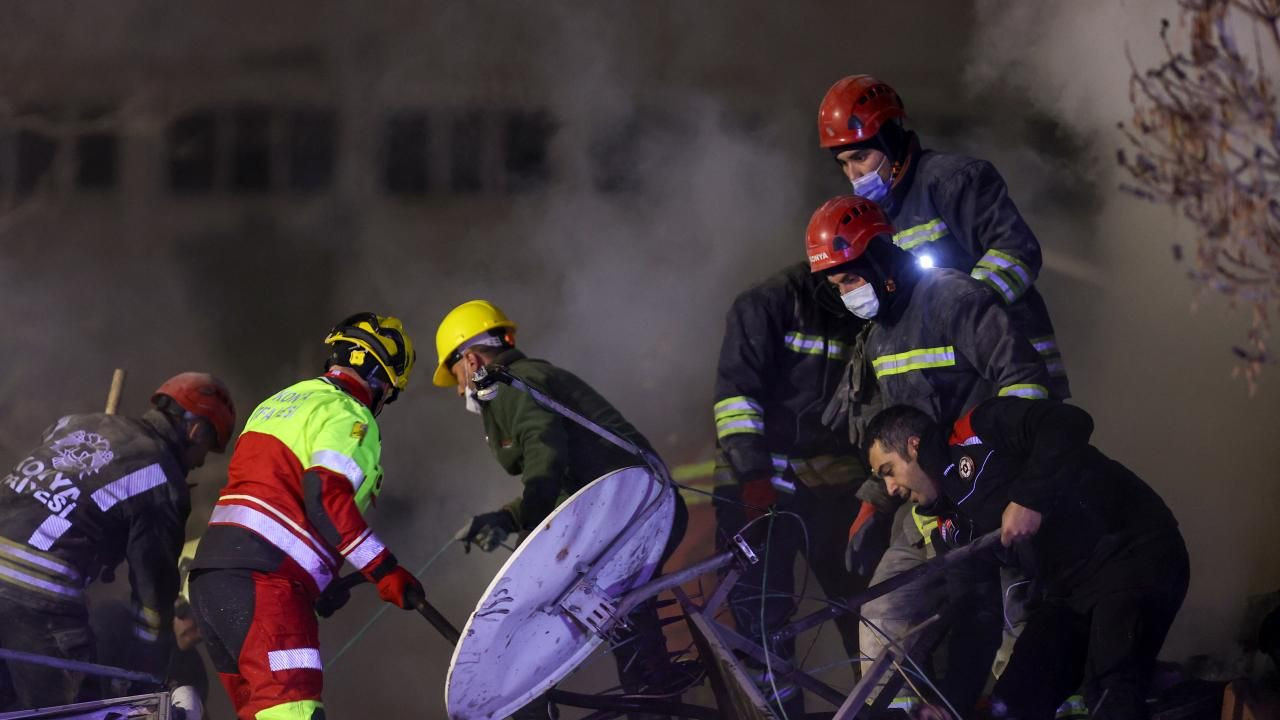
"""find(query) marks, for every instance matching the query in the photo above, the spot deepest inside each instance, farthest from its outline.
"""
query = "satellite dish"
(522, 638)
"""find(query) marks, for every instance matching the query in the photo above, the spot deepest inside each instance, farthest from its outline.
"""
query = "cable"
(764, 630)
(919, 672)
(385, 607)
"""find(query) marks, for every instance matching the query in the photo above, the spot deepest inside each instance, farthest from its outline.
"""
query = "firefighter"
(950, 210)
(306, 466)
(786, 343)
(554, 458)
(98, 490)
(1107, 563)
(939, 342)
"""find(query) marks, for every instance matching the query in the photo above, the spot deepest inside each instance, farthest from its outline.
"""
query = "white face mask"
(871, 186)
(862, 301)
(473, 403)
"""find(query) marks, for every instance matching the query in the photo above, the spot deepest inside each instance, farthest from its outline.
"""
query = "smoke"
(1155, 375)
(698, 119)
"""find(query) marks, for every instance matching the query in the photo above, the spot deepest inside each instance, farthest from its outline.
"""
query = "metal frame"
(715, 641)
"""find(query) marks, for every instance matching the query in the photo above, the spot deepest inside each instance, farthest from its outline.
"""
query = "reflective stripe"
(1056, 369)
(276, 534)
(146, 634)
(1004, 261)
(21, 578)
(25, 556)
(996, 281)
(339, 463)
(295, 659)
(1045, 345)
(1033, 392)
(48, 533)
(916, 236)
(135, 483)
(315, 544)
(740, 402)
(1073, 706)
(814, 345)
(914, 360)
(738, 414)
(904, 702)
(781, 464)
(366, 551)
(146, 624)
(741, 425)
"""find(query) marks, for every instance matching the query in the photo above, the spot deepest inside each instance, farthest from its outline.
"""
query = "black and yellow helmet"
(370, 343)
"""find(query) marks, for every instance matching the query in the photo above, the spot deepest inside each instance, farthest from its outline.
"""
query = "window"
(405, 145)
(526, 160)
(251, 154)
(35, 154)
(311, 149)
(193, 147)
(466, 153)
(96, 155)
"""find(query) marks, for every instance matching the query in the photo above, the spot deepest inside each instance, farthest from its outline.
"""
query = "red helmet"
(202, 395)
(854, 109)
(841, 230)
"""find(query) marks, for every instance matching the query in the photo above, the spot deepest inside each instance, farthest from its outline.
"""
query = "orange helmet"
(202, 395)
(855, 109)
(841, 230)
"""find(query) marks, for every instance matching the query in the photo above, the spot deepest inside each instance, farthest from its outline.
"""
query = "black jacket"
(786, 343)
(1099, 518)
(949, 344)
(99, 490)
(957, 210)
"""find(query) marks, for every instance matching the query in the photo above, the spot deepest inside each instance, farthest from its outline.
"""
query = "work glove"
(332, 599)
(758, 495)
(868, 539)
(400, 588)
(489, 530)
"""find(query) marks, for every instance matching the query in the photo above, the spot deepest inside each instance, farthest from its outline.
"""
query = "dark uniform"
(555, 458)
(786, 344)
(1109, 569)
(957, 211)
(944, 345)
(100, 489)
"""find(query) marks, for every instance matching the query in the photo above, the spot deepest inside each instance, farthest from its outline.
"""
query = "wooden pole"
(117, 387)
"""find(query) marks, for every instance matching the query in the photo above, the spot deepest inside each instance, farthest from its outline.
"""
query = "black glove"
(489, 530)
(868, 539)
(336, 595)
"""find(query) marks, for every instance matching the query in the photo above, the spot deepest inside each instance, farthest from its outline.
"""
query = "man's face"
(859, 161)
(845, 282)
(903, 476)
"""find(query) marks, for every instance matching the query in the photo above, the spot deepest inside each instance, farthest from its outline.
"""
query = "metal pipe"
(854, 602)
(656, 586)
(78, 666)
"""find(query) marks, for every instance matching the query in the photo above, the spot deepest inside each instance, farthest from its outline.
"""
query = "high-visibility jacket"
(957, 211)
(786, 343)
(99, 490)
(305, 466)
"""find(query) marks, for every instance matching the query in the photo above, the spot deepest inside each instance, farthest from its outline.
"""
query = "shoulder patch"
(358, 430)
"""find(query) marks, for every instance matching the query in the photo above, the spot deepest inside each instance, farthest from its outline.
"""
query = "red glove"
(864, 516)
(400, 588)
(759, 494)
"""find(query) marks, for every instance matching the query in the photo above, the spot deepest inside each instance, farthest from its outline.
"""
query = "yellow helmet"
(380, 337)
(464, 322)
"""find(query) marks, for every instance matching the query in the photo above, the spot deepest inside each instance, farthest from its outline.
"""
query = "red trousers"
(263, 638)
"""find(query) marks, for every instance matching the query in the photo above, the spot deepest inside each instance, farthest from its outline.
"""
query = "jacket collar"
(159, 424)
